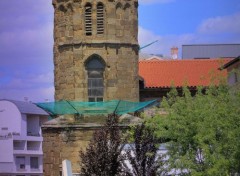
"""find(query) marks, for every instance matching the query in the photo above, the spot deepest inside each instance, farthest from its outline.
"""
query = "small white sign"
(67, 168)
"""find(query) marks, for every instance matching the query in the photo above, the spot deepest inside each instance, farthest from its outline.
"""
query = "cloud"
(30, 39)
(224, 29)
(165, 42)
(146, 36)
(24, 81)
(26, 46)
(34, 95)
(26, 42)
(37, 87)
(17, 7)
(154, 1)
(18, 15)
(221, 24)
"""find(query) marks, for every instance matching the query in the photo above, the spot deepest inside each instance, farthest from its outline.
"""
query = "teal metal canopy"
(93, 108)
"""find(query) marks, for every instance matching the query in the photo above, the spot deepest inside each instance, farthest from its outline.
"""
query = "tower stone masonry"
(95, 59)
(96, 50)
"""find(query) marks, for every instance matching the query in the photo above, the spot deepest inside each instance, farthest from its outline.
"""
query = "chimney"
(174, 52)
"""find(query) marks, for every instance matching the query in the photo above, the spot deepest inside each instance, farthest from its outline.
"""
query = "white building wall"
(14, 140)
(24, 125)
(10, 117)
(28, 169)
(6, 167)
(6, 150)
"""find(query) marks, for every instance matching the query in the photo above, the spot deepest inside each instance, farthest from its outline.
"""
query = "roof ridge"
(187, 60)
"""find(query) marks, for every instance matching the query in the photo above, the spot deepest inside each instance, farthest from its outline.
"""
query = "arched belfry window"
(119, 11)
(127, 11)
(95, 67)
(88, 19)
(100, 18)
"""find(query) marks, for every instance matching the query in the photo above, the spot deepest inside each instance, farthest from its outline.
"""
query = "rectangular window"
(20, 162)
(91, 99)
(34, 163)
(99, 99)
(95, 86)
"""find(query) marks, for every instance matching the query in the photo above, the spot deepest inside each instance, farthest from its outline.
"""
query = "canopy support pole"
(114, 112)
(72, 106)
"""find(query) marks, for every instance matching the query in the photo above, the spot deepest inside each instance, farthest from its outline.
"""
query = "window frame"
(21, 162)
(95, 86)
(32, 162)
(95, 67)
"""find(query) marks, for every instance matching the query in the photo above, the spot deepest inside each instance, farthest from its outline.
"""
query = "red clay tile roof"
(191, 72)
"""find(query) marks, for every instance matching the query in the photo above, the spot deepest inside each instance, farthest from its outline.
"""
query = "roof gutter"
(230, 63)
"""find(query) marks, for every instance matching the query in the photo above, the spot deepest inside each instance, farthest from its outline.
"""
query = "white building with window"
(21, 138)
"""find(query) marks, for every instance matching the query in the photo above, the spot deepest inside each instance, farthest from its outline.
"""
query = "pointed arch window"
(100, 18)
(95, 67)
(88, 19)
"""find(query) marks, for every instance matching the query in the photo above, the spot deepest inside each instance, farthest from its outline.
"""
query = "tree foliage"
(106, 155)
(203, 131)
(143, 154)
(103, 155)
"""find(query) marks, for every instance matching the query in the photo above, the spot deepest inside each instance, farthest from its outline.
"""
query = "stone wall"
(63, 143)
(64, 138)
(118, 47)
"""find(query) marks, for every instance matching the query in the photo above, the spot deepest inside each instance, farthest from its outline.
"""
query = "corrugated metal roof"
(210, 51)
(27, 107)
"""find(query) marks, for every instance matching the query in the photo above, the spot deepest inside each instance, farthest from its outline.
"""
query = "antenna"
(148, 45)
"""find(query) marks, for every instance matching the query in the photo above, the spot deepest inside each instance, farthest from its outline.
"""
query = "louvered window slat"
(88, 19)
(100, 19)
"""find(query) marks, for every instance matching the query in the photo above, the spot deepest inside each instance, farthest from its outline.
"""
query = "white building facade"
(21, 138)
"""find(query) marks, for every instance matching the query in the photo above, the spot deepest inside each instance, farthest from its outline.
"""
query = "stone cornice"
(77, 44)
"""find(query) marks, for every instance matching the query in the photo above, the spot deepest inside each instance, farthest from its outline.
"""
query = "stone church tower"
(95, 59)
(96, 50)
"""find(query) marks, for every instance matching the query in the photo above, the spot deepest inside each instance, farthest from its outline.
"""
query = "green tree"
(142, 153)
(103, 155)
(203, 131)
